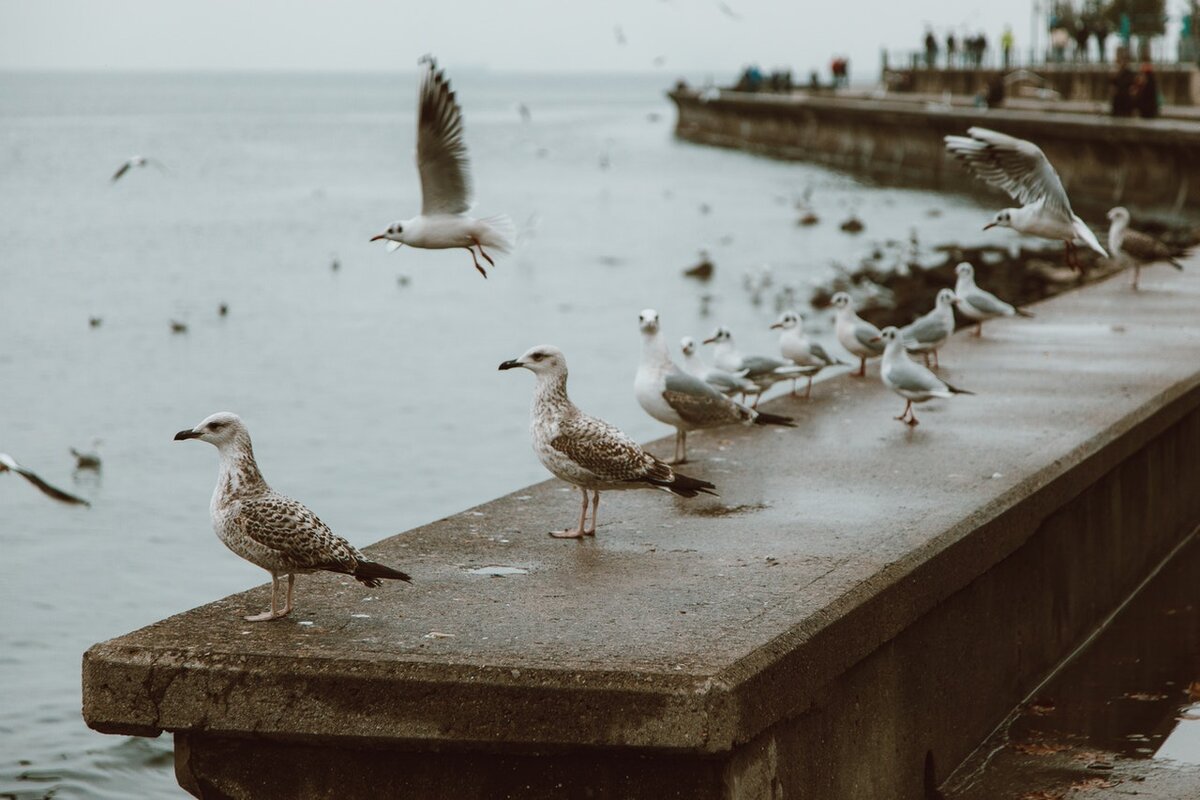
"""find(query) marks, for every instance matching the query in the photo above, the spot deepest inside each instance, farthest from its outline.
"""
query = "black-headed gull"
(977, 304)
(727, 383)
(1137, 247)
(907, 378)
(795, 346)
(927, 333)
(763, 371)
(855, 334)
(446, 190)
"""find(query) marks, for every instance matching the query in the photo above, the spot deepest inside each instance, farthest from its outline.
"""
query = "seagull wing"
(988, 303)
(910, 377)
(868, 335)
(121, 171)
(7, 462)
(441, 151)
(819, 352)
(929, 328)
(295, 533)
(700, 404)
(606, 452)
(1017, 166)
(1144, 247)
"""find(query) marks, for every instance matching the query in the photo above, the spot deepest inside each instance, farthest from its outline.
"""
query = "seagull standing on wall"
(855, 334)
(268, 529)
(587, 452)
(978, 304)
(907, 378)
(1138, 247)
(446, 190)
(1022, 169)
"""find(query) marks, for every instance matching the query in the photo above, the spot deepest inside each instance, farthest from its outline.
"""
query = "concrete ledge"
(1149, 164)
(860, 594)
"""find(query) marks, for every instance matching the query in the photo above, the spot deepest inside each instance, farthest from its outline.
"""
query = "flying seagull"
(135, 161)
(907, 378)
(684, 401)
(977, 304)
(1137, 247)
(268, 529)
(446, 190)
(855, 334)
(796, 347)
(588, 452)
(927, 333)
(1022, 169)
(9, 464)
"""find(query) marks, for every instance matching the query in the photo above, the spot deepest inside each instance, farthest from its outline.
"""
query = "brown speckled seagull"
(268, 529)
(585, 451)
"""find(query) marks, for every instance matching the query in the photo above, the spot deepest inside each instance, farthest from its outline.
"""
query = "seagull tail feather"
(683, 485)
(499, 233)
(764, 418)
(369, 573)
(1023, 313)
(1175, 264)
(956, 390)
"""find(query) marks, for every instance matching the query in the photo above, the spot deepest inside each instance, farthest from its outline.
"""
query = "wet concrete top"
(665, 630)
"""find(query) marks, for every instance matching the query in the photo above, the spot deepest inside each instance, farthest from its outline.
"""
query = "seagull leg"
(936, 365)
(595, 509)
(483, 253)
(862, 367)
(287, 608)
(808, 389)
(680, 447)
(1137, 273)
(577, 532)
(912, 417)
(274, 613)
(925, 357)
(475, 258)
(904, 414)
(978, 330)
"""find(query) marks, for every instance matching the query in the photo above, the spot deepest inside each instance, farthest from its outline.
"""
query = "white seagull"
(684, 401)
(727, 383)
(446, 191)
(587, 452)
(927, 333)
(1022, 169)
(763, 371)
(268, 529)
(977, 304)
(855, 334)
(9, 464)
(795, 346)
(135, 161)
(1135, 246)
(907, 378)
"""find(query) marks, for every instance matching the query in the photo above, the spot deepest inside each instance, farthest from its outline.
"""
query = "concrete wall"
(1179, 84)
(1153, 166)
(860, 596)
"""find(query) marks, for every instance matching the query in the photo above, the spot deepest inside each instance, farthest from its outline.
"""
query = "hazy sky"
(693, 36)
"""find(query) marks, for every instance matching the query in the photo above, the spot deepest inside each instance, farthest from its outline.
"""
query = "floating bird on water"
(268, 529)
(929, 332)
(763, 371)
(907, 378)
(178, 327)
(223, 310)
(684, 401)
(1137, 247)
(977, 304)
(727, 383)
(9, 464)
(95, 322)
(135, 161)
(855, 334)
(853, 225)
(88, 459)
(796, 347)
(703, 269)
(587, 452)
(446, 189)
(1022, 169)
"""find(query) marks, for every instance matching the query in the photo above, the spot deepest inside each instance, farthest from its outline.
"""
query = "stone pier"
(860, 596)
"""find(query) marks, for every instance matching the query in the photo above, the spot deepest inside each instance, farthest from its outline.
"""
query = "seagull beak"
(875, 339)
(709, 340)
(377, 238)
(777, 325)
(989, 225)
(510, 364)
(188, 434)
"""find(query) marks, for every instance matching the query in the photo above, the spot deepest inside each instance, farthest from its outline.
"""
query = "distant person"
(951, 49)
(1059, 39)
(1122, 86)
(1145, 92)
(931, 49)
(1006, 45)
(1101, 29)
(995, 91)
(981, 46)
(1082, 33)
(846, 71)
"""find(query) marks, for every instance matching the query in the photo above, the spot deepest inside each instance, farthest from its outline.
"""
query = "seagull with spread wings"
(9, 464)
(1021, 168)
(446, 189)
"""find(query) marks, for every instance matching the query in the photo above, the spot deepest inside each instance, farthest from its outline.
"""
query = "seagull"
(588, 452)
(977, 304)
(1136, 246)
(446, 192)
(268, 529)
(684, 401)
(1022, 169)
(88, 459)
(855, 334)
(135, 161)
(928, 333)
(907, 378)
(727, 383)
(9, 464)
(178, 327)
(763, 371)
(796, 347)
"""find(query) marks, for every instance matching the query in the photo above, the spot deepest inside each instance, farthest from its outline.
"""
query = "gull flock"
(285, 538)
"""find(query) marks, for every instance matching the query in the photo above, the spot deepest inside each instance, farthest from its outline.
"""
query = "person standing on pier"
(1006, 45)
(931, 49)
(1145, 92)
(1122, 86)
(951, 50)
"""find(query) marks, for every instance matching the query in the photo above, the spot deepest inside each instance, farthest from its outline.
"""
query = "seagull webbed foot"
(571, 533)
(267, 616)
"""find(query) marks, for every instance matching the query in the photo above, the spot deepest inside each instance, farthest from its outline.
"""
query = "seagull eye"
(538, 356)
(216, 426)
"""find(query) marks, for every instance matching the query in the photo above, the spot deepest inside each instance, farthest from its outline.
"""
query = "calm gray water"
(378, 405)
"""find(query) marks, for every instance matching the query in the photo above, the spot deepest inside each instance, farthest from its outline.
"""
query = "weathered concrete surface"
(1152, 166)
(859, 595)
